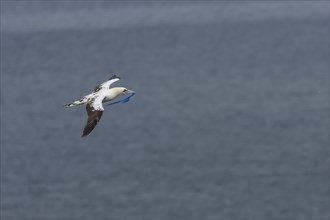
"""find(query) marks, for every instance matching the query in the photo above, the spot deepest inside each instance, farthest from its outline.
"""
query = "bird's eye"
(125, 90)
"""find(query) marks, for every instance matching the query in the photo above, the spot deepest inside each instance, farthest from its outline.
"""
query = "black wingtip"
(85, 133)
(114, 77)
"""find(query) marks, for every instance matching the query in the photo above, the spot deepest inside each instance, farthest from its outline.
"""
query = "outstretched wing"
(94, 110)
(107, 84)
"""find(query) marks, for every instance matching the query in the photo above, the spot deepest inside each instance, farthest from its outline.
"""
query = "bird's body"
(102, 93)
(107, 94)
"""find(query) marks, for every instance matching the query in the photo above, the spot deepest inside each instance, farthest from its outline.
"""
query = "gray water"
(230, 119)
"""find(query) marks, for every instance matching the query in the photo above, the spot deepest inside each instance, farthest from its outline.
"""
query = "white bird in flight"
(102, 93)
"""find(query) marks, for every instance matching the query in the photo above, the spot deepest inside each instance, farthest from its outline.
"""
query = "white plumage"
(94, 107)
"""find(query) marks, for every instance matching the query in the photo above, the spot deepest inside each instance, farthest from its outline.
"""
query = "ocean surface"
(230, 120)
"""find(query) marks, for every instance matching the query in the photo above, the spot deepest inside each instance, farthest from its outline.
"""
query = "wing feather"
(107, 84)
(94, 110)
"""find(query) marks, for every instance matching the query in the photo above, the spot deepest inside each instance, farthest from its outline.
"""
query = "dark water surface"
(230, 119)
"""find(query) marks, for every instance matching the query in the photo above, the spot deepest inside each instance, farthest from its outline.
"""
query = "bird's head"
(122, 91)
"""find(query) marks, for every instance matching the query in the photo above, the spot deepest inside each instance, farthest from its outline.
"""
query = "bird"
(94, 107)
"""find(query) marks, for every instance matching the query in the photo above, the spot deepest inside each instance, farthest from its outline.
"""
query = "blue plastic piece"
(124, 100)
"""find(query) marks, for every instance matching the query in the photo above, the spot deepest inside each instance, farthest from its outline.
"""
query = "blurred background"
(230, 119)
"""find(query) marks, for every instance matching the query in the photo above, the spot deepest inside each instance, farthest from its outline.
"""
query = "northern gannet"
(102, 93)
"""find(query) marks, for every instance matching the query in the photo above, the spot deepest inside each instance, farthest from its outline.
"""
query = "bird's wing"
(107, 84)
(94, 110)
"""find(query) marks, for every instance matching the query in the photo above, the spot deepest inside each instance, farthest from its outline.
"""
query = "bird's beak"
(130, 92)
